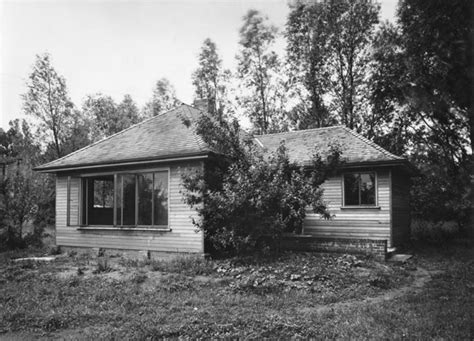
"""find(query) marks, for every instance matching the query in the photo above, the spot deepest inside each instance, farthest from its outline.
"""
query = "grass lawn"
(292, 295)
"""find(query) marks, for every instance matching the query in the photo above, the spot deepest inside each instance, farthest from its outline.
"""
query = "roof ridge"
(109, 137)
(301, 131)
(372, 143)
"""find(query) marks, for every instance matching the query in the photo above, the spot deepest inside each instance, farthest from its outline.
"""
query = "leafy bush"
(434, 232)
(139, 278)
(102, 266)
(438, 197)
(243, 196)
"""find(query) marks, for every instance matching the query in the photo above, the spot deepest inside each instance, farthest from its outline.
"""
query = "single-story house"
(124, 192)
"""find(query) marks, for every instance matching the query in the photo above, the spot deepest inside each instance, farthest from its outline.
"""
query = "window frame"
(376, 189)
(84, 225)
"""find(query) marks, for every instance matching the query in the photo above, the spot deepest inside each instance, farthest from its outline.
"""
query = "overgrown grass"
(264, 298)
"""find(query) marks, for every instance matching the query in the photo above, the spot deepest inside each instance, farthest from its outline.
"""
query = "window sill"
(114, 228)
(367, 207)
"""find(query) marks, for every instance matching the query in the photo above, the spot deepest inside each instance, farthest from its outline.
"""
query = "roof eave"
(376, 163)
(130, 162)
(403, 163)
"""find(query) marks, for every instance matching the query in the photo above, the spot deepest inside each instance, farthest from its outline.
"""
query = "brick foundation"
(94, 252)
(376, 248)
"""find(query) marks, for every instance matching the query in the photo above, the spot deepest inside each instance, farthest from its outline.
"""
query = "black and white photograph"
(236, 169)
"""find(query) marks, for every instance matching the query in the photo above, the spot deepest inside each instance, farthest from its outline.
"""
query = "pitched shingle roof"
(303, 144)
(159, 137)
(167, 136)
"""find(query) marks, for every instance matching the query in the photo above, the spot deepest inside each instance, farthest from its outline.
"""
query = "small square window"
(359, 189)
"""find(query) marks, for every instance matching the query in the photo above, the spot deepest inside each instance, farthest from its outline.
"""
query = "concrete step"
(398, 258)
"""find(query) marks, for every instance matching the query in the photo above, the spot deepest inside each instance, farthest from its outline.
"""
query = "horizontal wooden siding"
(182, 237)
(353, 223)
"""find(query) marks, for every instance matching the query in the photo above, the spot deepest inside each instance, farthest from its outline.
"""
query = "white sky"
(121, 47)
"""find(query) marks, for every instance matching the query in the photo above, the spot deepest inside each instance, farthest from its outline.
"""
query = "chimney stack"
(202, 104)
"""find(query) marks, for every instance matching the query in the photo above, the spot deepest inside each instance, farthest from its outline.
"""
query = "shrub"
(139, 278)
(433, 232)
(243, 196)
(438, 197)
(102, 266)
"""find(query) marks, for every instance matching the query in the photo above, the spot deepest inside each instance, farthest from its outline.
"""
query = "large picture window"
(359, 189)
(126, 199)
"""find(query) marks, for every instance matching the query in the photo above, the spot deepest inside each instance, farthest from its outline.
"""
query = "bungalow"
(124, 192)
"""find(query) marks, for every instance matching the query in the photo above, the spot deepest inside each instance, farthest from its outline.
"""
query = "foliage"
(78, 137)
(19, 191)
(244, 196)
(437, 38)
(327, 52)
(22, 190)
(128, 112)
(102, 266)
(257, 70)
(163, 99)
(106, 118)
(438, 199)
(332, 299)
(421, 88)
(47, 100)
(210, 79)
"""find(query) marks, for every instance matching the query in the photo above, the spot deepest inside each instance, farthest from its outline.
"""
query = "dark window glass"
(103, 193)
(367, 189)
(140, 199)
(359, 189)
(100, 197)
(351, 189)
(128, 199)
(145, 189)
(160, 197)
(118, 200)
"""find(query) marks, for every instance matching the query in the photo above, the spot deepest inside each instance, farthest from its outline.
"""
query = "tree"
(438, 43)
(101, 111)
(328, 46)
(389, 121)
(47, 100)
(420, 66)
(245, 196)
(258, 66)
(308, 51)
(128, 112)
(421, 92)
(209, 79)
(163, 99)
(106, 117)
(20, 188)
(79, 134)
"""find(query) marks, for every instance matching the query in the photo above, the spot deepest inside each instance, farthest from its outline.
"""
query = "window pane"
(351, 189)
(145, 189)
(118, 200)
(160, 193)
(103, 193)
(100, 199)
(367, 189)
(128, 199)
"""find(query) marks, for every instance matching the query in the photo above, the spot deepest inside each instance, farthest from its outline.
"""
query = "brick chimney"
(201, 104)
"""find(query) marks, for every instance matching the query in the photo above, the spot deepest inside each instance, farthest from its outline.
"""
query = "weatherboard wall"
(353, 223)
(182, 237)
